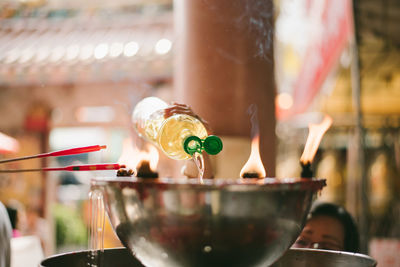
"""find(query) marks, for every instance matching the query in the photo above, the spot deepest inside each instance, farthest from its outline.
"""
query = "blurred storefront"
(70, 75)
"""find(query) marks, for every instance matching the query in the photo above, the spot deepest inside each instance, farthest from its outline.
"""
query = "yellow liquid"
(199, 160)
(169, 134)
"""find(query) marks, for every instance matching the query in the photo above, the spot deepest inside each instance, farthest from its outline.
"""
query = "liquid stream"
(96, 228)
(199, 160)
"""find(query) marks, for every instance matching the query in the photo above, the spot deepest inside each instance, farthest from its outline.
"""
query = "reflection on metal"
(326, 258)
(293, 257)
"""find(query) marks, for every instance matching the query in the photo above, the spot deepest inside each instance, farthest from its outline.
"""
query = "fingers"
(180, 105)
(177, 108)
(190, 169)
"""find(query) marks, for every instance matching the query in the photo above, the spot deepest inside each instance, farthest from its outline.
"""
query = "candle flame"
(153, 157)
(133, 158)
(254, 164)
(316, 132)
(8, 144)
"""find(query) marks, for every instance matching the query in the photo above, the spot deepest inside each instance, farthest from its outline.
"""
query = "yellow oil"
(169, 134)
(199, 160)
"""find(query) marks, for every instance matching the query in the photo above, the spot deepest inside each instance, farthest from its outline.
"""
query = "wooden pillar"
(224, 64)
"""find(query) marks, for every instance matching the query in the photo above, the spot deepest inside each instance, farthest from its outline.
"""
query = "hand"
(190, 169)
(177, 108)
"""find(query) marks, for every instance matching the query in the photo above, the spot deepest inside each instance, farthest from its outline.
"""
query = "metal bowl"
(172, 222)
(316, 257)
(297, 257)
(120, 257)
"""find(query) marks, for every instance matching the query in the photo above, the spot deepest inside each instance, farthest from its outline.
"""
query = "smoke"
(257, 17)
(252, 111)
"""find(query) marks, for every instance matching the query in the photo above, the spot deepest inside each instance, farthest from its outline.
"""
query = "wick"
(251, 175)
(144, 171)
(306, 171)
(124, 172)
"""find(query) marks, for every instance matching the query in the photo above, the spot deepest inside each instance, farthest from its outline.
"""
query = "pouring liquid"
(96, 228)
(199, 160)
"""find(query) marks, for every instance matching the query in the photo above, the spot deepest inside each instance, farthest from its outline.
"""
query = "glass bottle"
(178, 136)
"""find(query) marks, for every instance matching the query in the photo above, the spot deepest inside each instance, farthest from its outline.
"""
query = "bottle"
(178, 136)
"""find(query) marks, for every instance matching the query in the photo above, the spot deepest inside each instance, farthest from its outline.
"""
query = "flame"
(132, 157)
(316, 132)
(8, 144)
(254, 163)
(153, 156)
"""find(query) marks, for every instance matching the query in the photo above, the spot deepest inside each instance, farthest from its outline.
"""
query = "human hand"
(177, 108)
(190, 169)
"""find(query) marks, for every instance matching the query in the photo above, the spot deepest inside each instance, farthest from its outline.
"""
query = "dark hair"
(351, 237)
(13, 215)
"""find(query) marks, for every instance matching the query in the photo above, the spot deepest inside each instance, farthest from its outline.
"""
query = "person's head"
(329, 226)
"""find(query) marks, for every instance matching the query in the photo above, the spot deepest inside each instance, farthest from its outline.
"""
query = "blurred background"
(71, 73)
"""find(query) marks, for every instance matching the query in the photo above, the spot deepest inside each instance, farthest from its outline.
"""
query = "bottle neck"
(193, 144)
(211, 144)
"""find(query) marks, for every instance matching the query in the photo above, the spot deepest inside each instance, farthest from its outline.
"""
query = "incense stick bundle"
(66, 152)
(88, 167)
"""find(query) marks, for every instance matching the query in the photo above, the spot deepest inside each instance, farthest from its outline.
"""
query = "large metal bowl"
(115, 257)
(306, 257)
(122, 257)
(172, 222)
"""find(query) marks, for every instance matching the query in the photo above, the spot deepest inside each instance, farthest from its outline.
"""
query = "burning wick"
(251, 175)
(142, 161)
(254, 167)
(144, 170)
(306, 171)
(316, 132)
(124, 172)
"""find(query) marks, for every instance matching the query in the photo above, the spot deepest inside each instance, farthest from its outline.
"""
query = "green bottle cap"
(192, 144)
(212, 144)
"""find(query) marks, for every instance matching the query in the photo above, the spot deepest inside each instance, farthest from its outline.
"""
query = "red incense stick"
(89, 167)
(66, 152)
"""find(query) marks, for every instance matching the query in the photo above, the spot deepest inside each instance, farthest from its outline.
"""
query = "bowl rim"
(239, 184)
(331, 252)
